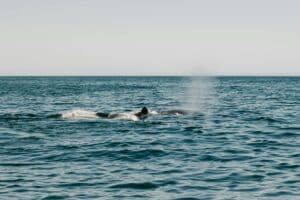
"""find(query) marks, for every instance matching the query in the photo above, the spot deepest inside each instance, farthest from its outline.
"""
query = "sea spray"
(199, 94)
(79, 114)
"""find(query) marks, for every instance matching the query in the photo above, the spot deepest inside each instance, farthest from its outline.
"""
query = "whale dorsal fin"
(144, 111)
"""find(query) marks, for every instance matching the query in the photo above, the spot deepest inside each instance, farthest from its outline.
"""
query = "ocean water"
(242, 140)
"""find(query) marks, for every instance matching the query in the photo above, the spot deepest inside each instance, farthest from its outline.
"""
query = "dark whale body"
(144, 113)
(140, 115)
(175, 112)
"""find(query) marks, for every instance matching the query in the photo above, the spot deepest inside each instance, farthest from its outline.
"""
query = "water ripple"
(242, 143)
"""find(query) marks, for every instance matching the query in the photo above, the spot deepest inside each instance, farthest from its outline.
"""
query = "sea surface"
(242, 140)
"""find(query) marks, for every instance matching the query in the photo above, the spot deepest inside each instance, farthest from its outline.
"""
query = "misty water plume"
(199, 95)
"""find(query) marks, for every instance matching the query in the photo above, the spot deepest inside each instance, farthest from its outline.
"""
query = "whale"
(175, 112)
(142, 114)
(134, 116)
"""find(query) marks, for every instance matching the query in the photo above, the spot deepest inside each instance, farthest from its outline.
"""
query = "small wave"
(54, 116)
(278, 193)
(19, 116)
(144, 185)
(267, 119)
(127, 154)
(52, 197)
(286, 166)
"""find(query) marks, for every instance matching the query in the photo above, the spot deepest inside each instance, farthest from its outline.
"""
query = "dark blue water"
(243, 142)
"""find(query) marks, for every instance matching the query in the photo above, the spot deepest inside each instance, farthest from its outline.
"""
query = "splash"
(131, 115)
(125, 116)
(79, 114)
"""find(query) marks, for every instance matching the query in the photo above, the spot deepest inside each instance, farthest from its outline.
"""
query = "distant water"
(244, 143)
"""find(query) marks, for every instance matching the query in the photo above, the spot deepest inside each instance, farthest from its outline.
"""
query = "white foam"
(126, 116)
(153, 112)
(85, 114)
(79, 114)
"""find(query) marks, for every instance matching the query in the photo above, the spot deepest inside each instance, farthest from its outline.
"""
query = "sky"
(150, 37)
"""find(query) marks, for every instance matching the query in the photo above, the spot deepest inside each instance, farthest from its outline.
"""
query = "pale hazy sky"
(149, 37)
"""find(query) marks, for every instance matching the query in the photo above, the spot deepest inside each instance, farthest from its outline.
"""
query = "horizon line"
(150, 75)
